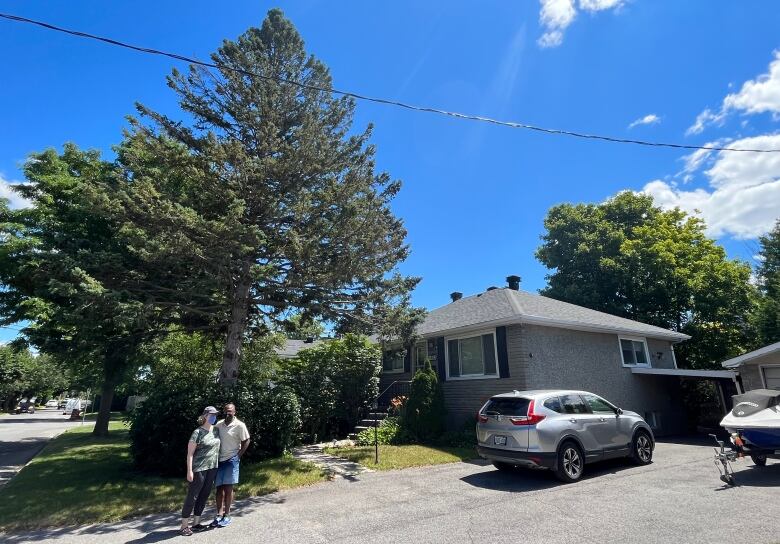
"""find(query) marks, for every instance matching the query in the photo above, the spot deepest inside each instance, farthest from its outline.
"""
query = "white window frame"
(395, 370)
(417, 362)
(761, 371)
(470, 376)
(634, 339)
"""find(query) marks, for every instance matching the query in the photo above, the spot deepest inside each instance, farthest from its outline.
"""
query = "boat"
(755, 421)
(754, 429)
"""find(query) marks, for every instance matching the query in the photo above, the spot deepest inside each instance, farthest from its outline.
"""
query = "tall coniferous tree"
(266, 200)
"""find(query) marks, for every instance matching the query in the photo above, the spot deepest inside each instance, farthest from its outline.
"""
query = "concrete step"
(370, 422)
(360, 428)
(377, 415)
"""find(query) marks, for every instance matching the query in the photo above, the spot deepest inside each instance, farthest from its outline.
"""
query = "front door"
(607, 429)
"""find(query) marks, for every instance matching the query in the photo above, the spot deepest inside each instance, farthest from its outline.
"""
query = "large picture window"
(393, 362)
(634, 351)
(472, 357)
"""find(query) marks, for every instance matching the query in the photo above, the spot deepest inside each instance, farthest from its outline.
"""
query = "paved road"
(677, 499)
(23, 435)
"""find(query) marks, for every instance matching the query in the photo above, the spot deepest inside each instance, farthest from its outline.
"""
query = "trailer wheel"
(759, 460)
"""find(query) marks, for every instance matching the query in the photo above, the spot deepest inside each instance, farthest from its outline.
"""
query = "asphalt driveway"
(677, 499)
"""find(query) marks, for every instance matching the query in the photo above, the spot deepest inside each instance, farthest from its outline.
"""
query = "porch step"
(377, 415)
(360, 428)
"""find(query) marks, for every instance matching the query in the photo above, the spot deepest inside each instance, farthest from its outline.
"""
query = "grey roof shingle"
(745, 357)
(292, 347)
(508, 305)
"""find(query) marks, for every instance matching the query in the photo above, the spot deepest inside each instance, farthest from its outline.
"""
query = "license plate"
(499, 440)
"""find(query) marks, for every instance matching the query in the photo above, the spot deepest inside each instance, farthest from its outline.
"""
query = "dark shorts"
(227, 473)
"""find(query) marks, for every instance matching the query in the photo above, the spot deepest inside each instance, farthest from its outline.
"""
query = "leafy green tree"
(267, 200)
(768, 276)
(23, 374)
(630, 258)
(67, 271)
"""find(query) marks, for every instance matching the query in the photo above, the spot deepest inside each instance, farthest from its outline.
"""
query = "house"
(759, 369)
(507, 339)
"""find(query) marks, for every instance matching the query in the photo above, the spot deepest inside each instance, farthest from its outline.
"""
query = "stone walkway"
(334, 466)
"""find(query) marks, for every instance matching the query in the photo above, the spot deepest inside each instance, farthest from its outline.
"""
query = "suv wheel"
(503, 467)
(571, 463)
(642, 448)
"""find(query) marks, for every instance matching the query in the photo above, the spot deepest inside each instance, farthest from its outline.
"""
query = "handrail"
(375, 404)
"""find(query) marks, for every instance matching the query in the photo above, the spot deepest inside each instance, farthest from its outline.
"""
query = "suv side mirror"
(618, 411)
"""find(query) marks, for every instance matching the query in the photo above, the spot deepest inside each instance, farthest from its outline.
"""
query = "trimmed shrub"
(424, 413)
(388, 432)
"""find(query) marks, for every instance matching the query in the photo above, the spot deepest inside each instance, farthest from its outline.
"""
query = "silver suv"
(559, 430)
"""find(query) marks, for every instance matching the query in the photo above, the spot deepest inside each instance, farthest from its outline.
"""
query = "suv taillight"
(531, 419)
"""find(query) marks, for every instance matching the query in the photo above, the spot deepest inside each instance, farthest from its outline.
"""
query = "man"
(235, 440)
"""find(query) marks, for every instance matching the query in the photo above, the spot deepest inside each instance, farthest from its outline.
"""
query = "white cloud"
(15, 200)
(556, 16)
(743, 197)
(760, 95)
(649, 119)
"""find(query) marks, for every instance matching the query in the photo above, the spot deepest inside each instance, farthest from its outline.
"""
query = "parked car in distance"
(560, 430)
(51, 403)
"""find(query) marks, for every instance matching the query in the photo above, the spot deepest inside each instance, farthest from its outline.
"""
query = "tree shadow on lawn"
(523, 480)
(158, 527)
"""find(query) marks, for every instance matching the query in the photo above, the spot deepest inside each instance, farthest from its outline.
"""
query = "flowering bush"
(397, 405)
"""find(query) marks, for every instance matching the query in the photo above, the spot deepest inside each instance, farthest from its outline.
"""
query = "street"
(678, 498)
(23, 435)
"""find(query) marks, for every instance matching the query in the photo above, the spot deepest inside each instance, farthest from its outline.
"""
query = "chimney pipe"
(456, 295)
(514, 282)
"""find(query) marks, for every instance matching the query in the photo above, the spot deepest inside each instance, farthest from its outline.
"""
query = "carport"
(726, 380)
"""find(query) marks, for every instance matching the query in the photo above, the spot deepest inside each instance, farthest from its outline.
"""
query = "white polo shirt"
(231, 436)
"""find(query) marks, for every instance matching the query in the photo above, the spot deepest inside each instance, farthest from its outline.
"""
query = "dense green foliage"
(389, 431)
(768, 278)
(424, 414)
(25, 375)
(182, 382)
(335, 381)
(630, 258)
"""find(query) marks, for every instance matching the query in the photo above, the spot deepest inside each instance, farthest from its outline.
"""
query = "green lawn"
(412, 455)
(79, 478)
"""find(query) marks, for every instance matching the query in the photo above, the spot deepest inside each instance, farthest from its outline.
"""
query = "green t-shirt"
(207, 450)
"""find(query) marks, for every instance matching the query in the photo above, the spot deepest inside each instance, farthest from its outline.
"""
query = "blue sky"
(474, 195)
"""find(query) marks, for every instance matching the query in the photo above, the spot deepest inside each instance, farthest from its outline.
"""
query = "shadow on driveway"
(523, 480)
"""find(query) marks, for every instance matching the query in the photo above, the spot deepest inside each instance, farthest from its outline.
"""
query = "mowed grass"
(397, 457)
(79, 478)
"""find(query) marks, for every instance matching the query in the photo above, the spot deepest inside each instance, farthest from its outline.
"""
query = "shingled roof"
(506, 306)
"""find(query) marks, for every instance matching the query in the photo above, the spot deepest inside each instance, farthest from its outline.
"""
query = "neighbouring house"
(291, 348)
(759, 369)
(507, 339)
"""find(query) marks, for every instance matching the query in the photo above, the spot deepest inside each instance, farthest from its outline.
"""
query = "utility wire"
(377, 100)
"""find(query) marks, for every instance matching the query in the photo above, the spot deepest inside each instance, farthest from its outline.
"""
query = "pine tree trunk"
(106, 397)
(238, 320)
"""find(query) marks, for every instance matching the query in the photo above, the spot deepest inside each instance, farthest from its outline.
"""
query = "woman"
(202, 461)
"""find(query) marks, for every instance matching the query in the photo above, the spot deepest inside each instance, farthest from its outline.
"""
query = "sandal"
(186, 532)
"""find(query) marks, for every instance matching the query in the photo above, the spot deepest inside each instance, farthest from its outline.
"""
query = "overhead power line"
(377, 100)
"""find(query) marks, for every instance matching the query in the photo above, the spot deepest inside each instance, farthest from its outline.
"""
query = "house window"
(634, 351)
(420, 355)
(393, 362)
(472, 357)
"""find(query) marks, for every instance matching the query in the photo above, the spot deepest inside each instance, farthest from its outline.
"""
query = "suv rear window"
(507, 407)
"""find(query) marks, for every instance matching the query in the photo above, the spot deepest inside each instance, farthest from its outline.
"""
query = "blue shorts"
(227, 473)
